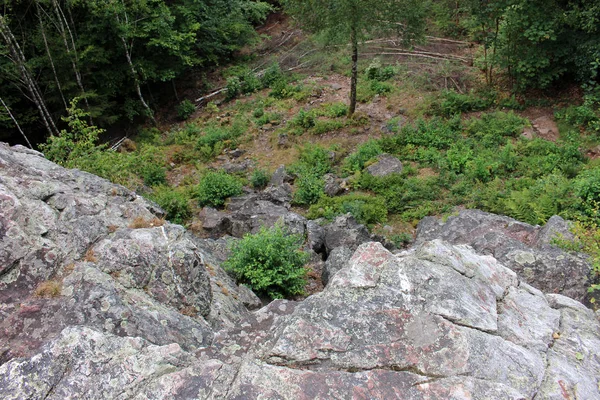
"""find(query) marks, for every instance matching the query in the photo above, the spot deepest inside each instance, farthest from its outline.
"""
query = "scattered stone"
(336, 86)
(283, 141)
(280, 176)
(237, 153)
(386, 164)
(332, 185)
(237, 167)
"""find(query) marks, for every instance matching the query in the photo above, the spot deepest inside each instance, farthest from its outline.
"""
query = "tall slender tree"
(353, 21)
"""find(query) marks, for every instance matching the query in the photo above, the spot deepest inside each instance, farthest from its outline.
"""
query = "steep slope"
(438, 321)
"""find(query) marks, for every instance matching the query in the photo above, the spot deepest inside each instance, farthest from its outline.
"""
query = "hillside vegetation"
(494, 108)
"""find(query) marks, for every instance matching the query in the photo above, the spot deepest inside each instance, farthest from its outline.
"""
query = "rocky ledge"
(147, 313)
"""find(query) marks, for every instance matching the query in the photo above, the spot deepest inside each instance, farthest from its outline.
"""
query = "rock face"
(78, 250)
(436, 322)
(525, 249)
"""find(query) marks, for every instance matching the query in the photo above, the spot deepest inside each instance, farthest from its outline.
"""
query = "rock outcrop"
(526, 249)
(438, 321)
(78, 250)
(385, 165)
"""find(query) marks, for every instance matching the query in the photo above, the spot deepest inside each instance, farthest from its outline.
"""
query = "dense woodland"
(121, 58)
(126, 59)
(452, 88)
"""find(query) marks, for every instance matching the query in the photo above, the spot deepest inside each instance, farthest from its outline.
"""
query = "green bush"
(309, 188)
(272, 75)
(185, 109)
(281, 89)
(376, 72)
(175, 202)
(587, 190)
(259, 179)
(381, 88)
(402, 239)
(312, 159)
(453, 103)
(214, 139)
(216, 187)
(304, 119)
(494, 128)
(364, 153)
(334, 110)
(322, 127)
(548, 196)
(153, 174)
(270, 263)
(368, 210)
(234, 87)
(79, 141)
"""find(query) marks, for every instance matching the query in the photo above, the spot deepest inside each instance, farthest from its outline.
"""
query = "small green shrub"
(185, 109)
(281, 89)
(175, 202)
(381, 88)
(153, 174)
(270, 263)
(234, 87)
(214, 139)
(402, 239)
(269, 118)
(322, 126)
(376, 72)
(304, 119)
(309, 188)
(458, 155)
(587, 190)
(272, 75)
(548, 196)
(76, 142)
(334, 110)
(587, 115)
(312, 159)
(216, 187)
(368, 210)
(259, 179)
(364, 153)
(494, 128)
(453, 103)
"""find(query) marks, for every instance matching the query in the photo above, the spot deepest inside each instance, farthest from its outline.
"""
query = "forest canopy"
(115, 55)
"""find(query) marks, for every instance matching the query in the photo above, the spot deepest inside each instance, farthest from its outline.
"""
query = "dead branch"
(438, 39)
(213, 94)
(413, 55)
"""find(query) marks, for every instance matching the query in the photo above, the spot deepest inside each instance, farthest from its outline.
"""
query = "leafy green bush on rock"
(174, 202)
(270, 263)
(216, 187)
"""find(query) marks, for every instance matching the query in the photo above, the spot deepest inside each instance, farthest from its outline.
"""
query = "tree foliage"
(118, 56)
(354, 21)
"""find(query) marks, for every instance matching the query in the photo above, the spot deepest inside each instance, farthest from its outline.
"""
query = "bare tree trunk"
(43, 30)
(19, 59)
(16, 123)
(354, 78)
(175, 89)
(63, 28)
(136, 81)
